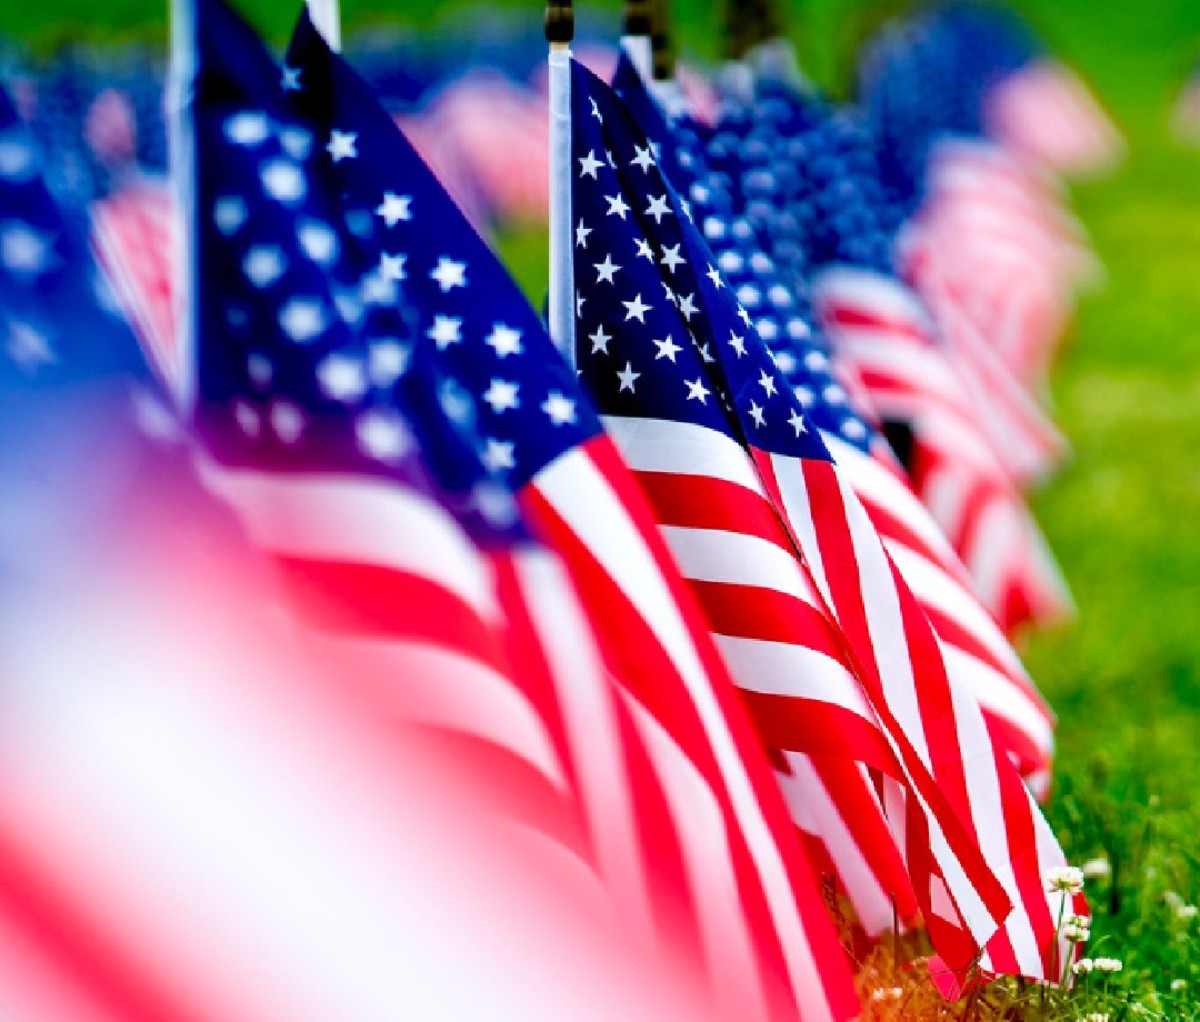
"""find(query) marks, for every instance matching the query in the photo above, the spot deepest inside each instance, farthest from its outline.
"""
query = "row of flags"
(636, 650)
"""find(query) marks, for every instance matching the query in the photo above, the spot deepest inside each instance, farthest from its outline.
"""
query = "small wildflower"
(1083, 967)
(1097, 869)
(1178, 984)
(1076, 929)
(1187, 911)
(1095, 1016)
(1108, 964)
(1064, 878)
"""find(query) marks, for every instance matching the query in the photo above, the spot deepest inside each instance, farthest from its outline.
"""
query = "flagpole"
(560, 31)
(327, 19)
(181, 155)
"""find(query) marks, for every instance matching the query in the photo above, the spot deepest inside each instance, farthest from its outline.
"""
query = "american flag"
(690, 391)
(727, 886)
(1016, 714)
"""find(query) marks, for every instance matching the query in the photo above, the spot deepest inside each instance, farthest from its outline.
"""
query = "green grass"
(1124, 517)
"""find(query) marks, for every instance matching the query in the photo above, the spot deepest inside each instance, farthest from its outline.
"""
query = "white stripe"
(875, 485)
(585, 699)
(700, 825)
(865, 289)
(792, 670)
(583, 498)
(681, 448)
(356, 521)
(735, 558)
(997, 696)
(431, 686)
(814, 811)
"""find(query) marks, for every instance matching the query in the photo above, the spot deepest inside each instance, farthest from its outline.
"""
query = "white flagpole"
(327, 18)
(182, 174)
(560, 30)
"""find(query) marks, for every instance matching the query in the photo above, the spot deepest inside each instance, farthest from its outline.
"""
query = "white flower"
(1064, 878)
(1108, 964)
(1178, 984)
(1076, 929)
(1083, 966)
(1097, 869)
(1187, 911)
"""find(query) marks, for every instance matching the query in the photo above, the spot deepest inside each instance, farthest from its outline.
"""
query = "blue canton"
(464, 307)
(659, 332)
(311, 356)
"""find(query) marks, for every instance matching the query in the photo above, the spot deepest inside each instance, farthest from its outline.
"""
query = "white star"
(671, 258)
(455, 402)
(696, 390)
(342, 378)
(264, 265)
(595, 110)
(579, 300)
(24, 250)
(229, 213)
(283, 181)
(744, 315)
(779, 296)
(804, 396)
(834, 394)
(498, 455)
(767, 381)
(687, 305)
(560, 409)
(617, 204)
(628, 378)
(296, 141)
(29, 348)
(706, 354)
(749, 295)
(502, 395)
(854, 429)
(246, 418)
(730, 261)
(388, 361)
(658, 208)
(714, 227)
(382, 435)
(302, 319)
(796, 421)
(394, 208)
(600, 340)
(785, 360)
(588, 165)
(343, 145)
(636, 309)
(643, 158)
(672, 297)
(581, 235)
(606, 270)
(247, 127)
(391, 267)
(667, 348)
(767, 329)
(798, 329)
(260, 371)
(714, 275)
(291, 79)
(319, 242)
(287, 420)
(17, 161)
(449, 273)
(757, 414)
(504, 340)
(644, 249)
(446, 330)
(816, 361)
(377, 289)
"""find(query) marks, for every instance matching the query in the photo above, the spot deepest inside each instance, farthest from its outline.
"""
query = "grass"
(1124, 517)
